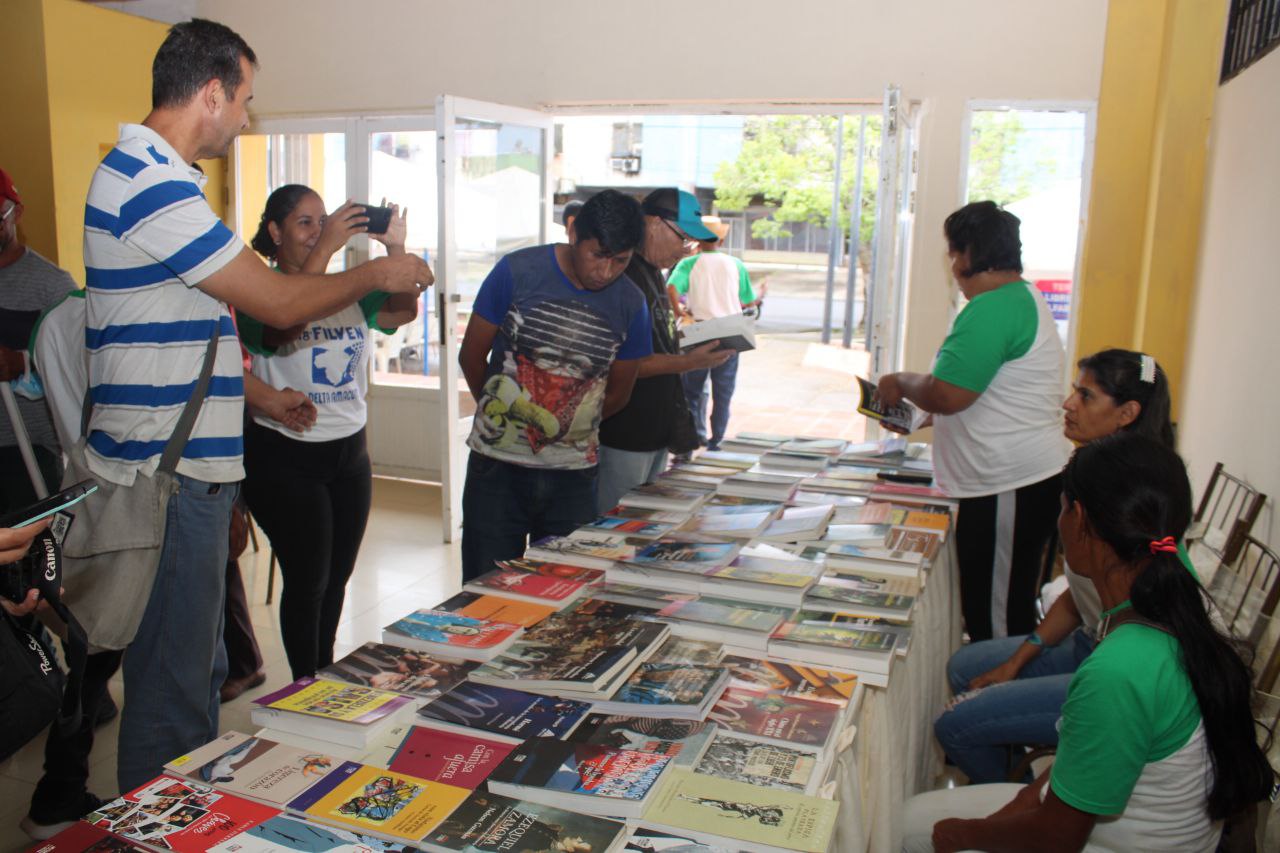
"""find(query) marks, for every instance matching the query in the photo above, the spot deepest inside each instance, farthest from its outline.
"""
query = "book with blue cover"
(582, 777)
(502, 711)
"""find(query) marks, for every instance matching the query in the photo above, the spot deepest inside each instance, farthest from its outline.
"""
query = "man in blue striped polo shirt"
(161, 270)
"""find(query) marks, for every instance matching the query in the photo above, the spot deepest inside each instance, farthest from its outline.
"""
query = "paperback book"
(757, 579)
(498, 608)
(791, 462)
(751, 484)
(777, 718)
(903, 416)
(800, 522)
(254, 768)
(402, 670)
(686, 553)
(736, 525)
(731, 622)
(683, 741)
(81, 837)
(590, 551)
(867, 652)
(491, 822)
(790, 679)
(510, 579)
(379, 802)
(732, 331)
(585, 667)
(927, 543)
(502, 711)
(826, 446)
(682, 650)
(681, 691)
(632, 527)
(343, 713)
(740, 816)
(581, 777)
(874, 558)
(846, 596)
(178, 814)
(451, 757)
(725, 459)
(290, 834)
(452, 634)
(664, 496)
(764, 764)
(643, 840)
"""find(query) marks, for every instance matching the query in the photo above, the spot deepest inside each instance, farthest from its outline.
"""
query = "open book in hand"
(904, 417)
(736, 332)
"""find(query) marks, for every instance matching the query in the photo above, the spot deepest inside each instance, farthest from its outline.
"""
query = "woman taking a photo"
(1157, 742)
(1026, 677)
(311, 491)
(994, 393)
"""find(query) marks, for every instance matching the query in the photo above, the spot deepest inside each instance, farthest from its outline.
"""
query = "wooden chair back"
(1226, 513)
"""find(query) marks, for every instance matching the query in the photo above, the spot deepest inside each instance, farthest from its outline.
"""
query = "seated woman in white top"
(1157, 741)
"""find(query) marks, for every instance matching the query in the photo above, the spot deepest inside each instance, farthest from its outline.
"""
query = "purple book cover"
(333, 700)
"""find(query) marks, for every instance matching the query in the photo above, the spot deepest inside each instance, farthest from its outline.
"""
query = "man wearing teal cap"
(634, 442)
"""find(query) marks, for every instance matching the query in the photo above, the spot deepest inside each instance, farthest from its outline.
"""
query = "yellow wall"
(1159, 80)
(24, 144)
(85, 71)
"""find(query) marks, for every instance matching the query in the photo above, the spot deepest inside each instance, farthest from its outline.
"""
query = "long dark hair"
(279, 205)
(1118, 372)
(1134, 491)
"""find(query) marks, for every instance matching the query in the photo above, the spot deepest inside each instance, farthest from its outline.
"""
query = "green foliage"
(995, 170)
(788, 164)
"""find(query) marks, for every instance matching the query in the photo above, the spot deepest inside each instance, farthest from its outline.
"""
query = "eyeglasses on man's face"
(684, 238)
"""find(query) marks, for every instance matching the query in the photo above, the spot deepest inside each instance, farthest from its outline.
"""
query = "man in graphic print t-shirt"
(551, 348)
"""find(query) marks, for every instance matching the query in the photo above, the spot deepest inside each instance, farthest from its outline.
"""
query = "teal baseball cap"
(678, 207)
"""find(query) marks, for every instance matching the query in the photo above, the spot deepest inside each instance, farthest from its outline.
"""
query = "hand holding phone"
(379, 219)
(48, 506)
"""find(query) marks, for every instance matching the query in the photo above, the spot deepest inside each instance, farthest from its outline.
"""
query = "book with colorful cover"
(703, 619)
(379, 802)
(499, 608)
(681, 740)
(850, 555)
(908, 491)
(852, 596)
(451, 757)
(686, 552)
(868, 652)
(741, 816)
(502, 711)
(582, 777)
(452, 634)
(595, 625)
(633, 527)
(670, 690)
(178, 814)
(925, 542)
(777, 718)
(765, 764)
(254, 768)
(344, 713)
(790, 679)
(870, 580)
(753, 579)
(490, 822)
(81, 837)
(526, 586)
(646, 514)
(739, 525)
(402, 670)
(668, 496)
(684, 650)
(800, 522)
(290, 834)
(537, 666)
(550, 569)
(643, 598)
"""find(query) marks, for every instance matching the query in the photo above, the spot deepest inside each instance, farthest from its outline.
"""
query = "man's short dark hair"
(989, 233)
(613, 219)
(194, 53)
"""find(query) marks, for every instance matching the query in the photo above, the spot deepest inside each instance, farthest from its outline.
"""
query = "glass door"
(494, 198)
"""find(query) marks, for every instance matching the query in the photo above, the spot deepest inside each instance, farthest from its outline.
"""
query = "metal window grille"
(1253, 30)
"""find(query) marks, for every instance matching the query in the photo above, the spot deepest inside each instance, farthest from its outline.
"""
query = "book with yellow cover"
(379, 802)
(343, 713)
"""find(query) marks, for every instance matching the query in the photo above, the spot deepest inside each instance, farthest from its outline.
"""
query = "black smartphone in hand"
(379, 219)
(50, 505)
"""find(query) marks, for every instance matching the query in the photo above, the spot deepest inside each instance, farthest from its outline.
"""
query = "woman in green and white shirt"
(1157, 743)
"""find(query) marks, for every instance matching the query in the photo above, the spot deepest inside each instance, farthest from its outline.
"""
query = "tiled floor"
(790, 384)
(403, 565)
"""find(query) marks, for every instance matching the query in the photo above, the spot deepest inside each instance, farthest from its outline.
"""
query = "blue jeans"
(623, 470)
(723, 380)
(176, 663)
(976, 732)
(505, 504)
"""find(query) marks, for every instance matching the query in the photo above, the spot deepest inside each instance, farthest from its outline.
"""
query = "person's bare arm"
(473, 355)
(287, 300)
(705, 356)
(617, 391)
(1055, 826)
(926, 391)
(400, 308)
(286, 406)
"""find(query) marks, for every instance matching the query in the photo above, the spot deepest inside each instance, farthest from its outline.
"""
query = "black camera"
(37, 566)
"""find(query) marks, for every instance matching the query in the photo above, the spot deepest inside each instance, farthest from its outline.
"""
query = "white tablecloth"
(894, 754)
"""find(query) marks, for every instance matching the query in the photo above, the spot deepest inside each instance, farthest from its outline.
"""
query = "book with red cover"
(83, 837)
(526, 585)
(776, 717)
(178, 814)
(439, 755)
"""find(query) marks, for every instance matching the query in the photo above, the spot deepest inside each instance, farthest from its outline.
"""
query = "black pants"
(1000, 542)
(66, 753)
(312, 500)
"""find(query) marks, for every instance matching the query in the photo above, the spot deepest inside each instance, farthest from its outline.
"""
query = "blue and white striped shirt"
(149, 239)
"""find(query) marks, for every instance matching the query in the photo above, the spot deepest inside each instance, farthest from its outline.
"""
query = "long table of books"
(744, 655)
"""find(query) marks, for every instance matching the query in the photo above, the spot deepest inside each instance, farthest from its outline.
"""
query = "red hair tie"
(1166, 545)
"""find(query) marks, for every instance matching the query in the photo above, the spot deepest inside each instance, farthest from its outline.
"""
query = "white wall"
(336, 56)
(1230, 409)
